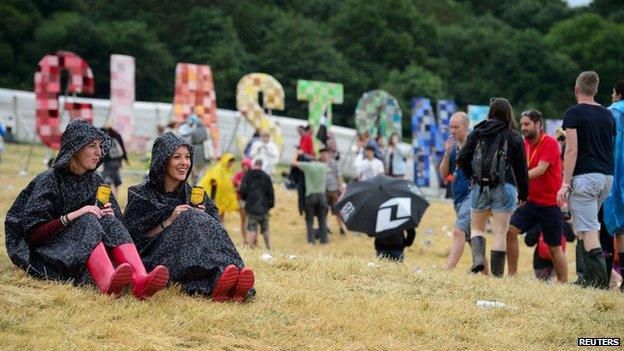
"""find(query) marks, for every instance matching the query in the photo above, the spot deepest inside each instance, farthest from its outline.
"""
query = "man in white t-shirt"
(370, 166)
(266, 150)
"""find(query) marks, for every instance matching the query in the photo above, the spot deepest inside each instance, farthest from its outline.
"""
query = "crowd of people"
(552, 189)
(549, 188)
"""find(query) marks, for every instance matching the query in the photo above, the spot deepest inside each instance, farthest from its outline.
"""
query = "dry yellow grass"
(328, 297)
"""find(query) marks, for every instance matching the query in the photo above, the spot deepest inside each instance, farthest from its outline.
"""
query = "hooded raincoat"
(195, 247)
(224, 195)
(57, 192)
(614, 204)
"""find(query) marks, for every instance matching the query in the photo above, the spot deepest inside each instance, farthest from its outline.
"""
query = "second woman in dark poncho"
(190, 241)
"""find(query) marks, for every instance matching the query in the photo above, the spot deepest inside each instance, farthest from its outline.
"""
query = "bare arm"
(569, 162)
(571, 153)
(538, 170)
(444, 166)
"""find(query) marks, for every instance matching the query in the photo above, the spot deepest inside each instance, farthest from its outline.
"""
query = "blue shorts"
(462, 210)
(501, 198)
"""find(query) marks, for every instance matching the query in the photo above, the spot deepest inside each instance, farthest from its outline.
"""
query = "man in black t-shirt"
(588, 171)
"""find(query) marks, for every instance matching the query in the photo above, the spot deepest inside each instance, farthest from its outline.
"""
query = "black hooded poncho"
(195, 248)
(52, 194)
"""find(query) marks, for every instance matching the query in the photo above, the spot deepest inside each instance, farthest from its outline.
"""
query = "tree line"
(529, 51)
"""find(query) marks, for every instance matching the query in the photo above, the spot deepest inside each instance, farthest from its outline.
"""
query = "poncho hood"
(164, 147)
(78, 134)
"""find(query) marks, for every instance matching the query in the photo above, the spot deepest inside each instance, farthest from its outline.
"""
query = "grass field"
(333, 297)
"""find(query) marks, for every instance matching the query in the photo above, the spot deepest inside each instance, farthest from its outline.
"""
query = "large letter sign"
(320, 96)
(378, 113)
(195, 94)
(247, 91)
(122, 95)
(423, 139)
(48, 89)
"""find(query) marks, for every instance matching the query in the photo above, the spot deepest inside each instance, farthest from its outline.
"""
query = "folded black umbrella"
(381, 206)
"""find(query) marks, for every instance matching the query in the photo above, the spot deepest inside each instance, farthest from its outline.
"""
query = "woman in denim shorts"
(490, 196)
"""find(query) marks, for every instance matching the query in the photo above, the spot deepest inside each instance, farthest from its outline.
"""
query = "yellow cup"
(197, 196)
(103, 195)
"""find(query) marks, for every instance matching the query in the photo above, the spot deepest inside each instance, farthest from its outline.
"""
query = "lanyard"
(534, 150)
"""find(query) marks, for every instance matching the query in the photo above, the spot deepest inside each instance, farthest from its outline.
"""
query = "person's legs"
(460, 233)
(109, 280)
(243, 222)
(551, 222)
(513, 250)
(584, 204)
(480, 211)
(252, 230)
(477, 239)
(144, 285)
(503, 204)
(322, 218)
(580, 261)
(264, 229)
(620, 244)
(500, 227)
(309, 218)
(457, 248)
(559, 262)
(522, 220)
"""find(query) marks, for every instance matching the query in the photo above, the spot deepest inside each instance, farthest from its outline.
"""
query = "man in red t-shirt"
(544, 164)
(306, 143)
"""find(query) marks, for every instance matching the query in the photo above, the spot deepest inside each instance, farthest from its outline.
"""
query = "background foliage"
(529, 51)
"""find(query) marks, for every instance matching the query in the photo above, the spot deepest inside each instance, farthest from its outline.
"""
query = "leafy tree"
(210, 38)
(411, 82)
(535, 14)
(297, 48)
(98, 40)
(594, 44)
(376, 36)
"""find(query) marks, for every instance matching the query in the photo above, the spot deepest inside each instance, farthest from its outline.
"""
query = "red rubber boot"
(110, 280)
(246, 281)
(227, 280)
(143, 285)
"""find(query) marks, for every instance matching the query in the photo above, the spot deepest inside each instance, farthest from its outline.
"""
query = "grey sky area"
(574, 3)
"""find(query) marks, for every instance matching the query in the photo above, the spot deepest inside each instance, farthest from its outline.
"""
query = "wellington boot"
(110, 280)
(497, 263)
(144, 285)
(477, 245)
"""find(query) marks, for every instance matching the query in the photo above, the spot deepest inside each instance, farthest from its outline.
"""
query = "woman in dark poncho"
(55, 231)
(189, 241)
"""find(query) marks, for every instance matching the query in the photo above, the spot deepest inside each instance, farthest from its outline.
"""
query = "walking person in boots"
(588, 172)
(495, 160)
(55, 231)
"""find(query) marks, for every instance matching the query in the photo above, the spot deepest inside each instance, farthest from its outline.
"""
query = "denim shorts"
(462, 211)
(501, 198)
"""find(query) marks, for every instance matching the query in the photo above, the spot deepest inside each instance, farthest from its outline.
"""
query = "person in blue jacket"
(614, 204)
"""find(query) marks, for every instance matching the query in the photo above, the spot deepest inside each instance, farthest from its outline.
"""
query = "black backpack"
(489, 163)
